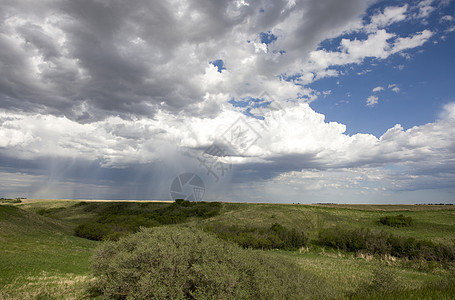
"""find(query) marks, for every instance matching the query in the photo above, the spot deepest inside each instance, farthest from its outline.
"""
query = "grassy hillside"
(42, 257)
(348, 271)
(430, 222)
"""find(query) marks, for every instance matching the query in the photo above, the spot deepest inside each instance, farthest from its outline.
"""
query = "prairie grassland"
(41, 258)
(430, 221)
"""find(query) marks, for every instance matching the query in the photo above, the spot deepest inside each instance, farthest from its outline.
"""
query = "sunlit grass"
(48, 286)
(346, 272)
(41, 257)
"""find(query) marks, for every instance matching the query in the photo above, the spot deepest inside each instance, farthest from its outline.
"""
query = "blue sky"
(424, 77)
(265, 101)
(425, 84)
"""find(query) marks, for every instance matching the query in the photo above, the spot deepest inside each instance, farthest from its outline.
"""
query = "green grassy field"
(41, 258)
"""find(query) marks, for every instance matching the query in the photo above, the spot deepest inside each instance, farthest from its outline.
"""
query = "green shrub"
(10, 201)
(99, 232)
(172, 262)
(116, 219)
(275, 237)
(48, 211)
(396, 221)
(91, 231)
(385, 243)
(385, 286)
(383, 282)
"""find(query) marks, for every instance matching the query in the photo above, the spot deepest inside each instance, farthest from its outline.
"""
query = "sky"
(247, 101)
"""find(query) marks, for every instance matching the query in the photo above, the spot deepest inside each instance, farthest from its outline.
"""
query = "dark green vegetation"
(186, 263)
(119, 219)
(383, 243)
(274, 237)
(396, 221)
(342, 248)
(384, 285)
(11, 201)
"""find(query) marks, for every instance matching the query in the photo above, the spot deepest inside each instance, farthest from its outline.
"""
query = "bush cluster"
(385, 243)
(396, 221)
(48, 211)
(275, 237)
(383, 282)
(171, 262)
(384, 285)
(5, 200)
(119, 219)
(80, 203)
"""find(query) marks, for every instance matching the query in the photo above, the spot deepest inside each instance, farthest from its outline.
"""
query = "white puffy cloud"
(447, 18)
(293, 130)
(380, 44)
(372, 100)
(289, 142)
(394, 87)
(414, 41)
(425, 8)
(390, 15)
(134, 59)
(378, 89)
(89, 60)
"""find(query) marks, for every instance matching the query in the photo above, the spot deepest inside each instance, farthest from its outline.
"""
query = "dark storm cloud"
(116, 56)
(90, 59)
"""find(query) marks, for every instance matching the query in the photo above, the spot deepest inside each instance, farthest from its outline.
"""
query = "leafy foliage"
(385, 243)
(80, 203)
(396, 221)
(172, 262)
(10, 201)
(383, 282)
(275, 237)
(48, 211)
(119, 219)
(384, 285)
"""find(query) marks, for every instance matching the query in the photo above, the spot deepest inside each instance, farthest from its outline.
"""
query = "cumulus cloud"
(295, 130)
(447, 18)
(425, 8)
(91, 59)
(380, 44)
(390, 15)
(394, 87)
(88, 60)
(372, 100)
(293, 139)
(378, 89)
(416, 40)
